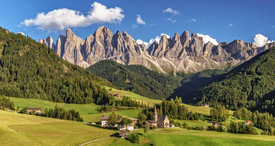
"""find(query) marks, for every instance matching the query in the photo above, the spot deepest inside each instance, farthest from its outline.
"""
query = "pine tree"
(112, 119)
(146, 128)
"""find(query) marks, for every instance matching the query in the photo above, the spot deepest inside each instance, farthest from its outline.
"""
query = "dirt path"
(93, 141)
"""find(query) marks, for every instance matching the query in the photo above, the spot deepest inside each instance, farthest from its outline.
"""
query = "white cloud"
(230, 24)
(60, 19)
(191, 20)
(167, 36)
(169, 19)
(139, 41)
(170, 10)
(134, 26)
(152, 40)
(272, 26)
(207, 38)
(139, 20)
(21, 33)
(260, 40)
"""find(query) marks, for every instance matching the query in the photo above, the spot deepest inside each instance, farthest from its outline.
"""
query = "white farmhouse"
(104, 121)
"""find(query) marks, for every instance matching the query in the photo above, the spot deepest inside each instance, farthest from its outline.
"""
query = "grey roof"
(161, 118)
(104, 118)
(151, 121)
(124, 132)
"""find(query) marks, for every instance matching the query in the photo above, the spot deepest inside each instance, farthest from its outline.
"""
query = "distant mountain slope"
(250, 85)
(181, 53)
(31, 70)
(136, 78)
(191, 82)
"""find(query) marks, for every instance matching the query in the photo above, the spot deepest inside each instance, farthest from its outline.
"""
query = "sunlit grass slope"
(20, 129)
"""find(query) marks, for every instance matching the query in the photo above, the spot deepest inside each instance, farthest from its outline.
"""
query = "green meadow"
(84, 109)
(193, 123)
(21, 129)
(133, 95)
(178, 136)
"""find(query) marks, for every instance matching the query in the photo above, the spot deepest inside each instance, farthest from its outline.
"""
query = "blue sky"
(222, 20)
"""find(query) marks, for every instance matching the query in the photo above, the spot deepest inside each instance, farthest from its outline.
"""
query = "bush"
(184, 125)
(211, 128)
(201, 117)
(154, 127)
(134, 138)
(220, 129)
(177, 124)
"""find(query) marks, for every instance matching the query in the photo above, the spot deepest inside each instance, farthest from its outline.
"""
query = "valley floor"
(20, 129)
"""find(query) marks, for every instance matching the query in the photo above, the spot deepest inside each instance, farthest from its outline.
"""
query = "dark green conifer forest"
(136, 78)
(29, 69)
(250, 85)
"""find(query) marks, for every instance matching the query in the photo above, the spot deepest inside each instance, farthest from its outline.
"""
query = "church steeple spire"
(155, 115)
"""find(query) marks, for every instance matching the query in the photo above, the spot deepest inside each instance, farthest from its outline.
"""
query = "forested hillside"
(191, 82)
(250, 85)
(136, 78)
(31, 70)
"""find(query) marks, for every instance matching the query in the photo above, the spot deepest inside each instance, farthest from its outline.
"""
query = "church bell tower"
(155, 115)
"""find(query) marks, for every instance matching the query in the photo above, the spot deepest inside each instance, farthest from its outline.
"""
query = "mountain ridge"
(181, 53)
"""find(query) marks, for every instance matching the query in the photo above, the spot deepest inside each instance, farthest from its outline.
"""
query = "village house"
(117, 95)
(35, 111)
(124, 134)
(130, 127)
(104, 121)
(248, 122)
(205, 105)
(159, 121)
(213, 123)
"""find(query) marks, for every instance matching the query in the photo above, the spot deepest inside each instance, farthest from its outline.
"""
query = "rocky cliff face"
(179, 54)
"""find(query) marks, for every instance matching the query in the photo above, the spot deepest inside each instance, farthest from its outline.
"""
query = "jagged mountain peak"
(69, 32)
(176, 37)
(178, 54)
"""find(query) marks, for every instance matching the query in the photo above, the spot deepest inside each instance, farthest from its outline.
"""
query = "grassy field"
(193, 123)
(89, 112)
(133, 95)
(191, 140)
(202, 110)
(178, 136)
(129, 113)
(103, 142)
(124, 113)
(19, 129)
(84, 109)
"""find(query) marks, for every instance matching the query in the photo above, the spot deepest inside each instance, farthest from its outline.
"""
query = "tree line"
(219, 113)
(265, 121)
(6, 103)
(124, 103)
(58, 113)
(174, 110)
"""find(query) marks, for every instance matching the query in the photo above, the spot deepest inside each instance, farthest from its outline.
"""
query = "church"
(159, 121)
